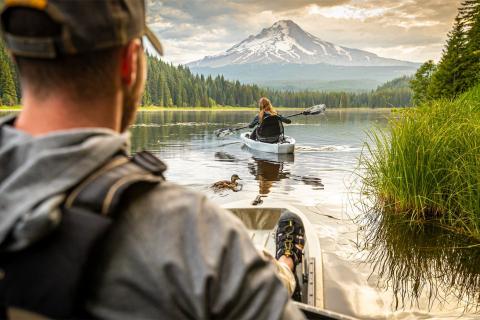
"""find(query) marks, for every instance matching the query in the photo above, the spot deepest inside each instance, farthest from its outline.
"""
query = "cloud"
(403, 29)
(285, 5)
(346, 12)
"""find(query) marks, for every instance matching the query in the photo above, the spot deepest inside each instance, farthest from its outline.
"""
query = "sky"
(412, 30)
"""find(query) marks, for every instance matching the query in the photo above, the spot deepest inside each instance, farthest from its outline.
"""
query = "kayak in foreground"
(261, 222)
(287, 146)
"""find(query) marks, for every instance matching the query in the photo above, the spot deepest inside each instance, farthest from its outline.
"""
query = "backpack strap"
(102, 191)
(47, 278)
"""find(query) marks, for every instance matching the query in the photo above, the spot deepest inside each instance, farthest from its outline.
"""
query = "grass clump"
(426, 165)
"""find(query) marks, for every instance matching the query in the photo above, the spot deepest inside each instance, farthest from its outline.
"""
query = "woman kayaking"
(269, 123)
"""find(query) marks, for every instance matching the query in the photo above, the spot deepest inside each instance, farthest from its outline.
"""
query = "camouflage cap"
(86, 25)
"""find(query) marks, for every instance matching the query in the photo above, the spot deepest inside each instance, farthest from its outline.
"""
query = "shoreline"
(230, 109)
(9, 108)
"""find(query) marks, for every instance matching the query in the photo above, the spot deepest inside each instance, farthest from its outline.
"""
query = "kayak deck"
(261, 223)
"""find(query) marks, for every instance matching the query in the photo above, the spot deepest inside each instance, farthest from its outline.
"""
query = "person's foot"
(290, 238)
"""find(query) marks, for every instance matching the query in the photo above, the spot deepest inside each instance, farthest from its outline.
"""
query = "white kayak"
(261, 222)
(287, 146)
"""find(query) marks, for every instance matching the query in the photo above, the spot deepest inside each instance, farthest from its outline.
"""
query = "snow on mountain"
(286, 43)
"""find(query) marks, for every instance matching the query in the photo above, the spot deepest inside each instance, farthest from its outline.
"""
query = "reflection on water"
(424, 265)
(223, 156)
(268, 168)
(266, 173)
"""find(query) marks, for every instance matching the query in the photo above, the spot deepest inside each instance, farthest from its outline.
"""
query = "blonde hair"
(265, 105)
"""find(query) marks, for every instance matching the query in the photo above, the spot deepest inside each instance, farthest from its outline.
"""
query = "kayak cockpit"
(261, 223)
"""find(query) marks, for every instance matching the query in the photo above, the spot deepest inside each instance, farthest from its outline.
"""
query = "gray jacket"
(171, 254)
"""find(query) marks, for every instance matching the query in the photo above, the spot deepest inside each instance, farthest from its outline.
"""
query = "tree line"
(9, 86)
(459, 68)
(168, 86)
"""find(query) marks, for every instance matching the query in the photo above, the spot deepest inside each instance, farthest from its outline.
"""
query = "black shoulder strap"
(102, 191)
(46, 278)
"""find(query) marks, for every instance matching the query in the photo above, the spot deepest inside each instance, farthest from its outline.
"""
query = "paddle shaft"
(237, 129)
(294, 115)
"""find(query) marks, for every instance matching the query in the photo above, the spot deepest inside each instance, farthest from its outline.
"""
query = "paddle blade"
(220, 133)
(318, 109)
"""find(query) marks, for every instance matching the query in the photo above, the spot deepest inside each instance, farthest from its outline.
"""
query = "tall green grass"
(426, 165)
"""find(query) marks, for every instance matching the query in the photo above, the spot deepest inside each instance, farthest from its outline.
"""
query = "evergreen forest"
(459, 68)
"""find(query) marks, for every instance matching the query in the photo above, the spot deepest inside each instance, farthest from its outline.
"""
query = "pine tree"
(450, 77)
(459, 67)
(146, 99)
(421, 82)
(8, 91)
(7, 84)
(168, 101)
(471, 13)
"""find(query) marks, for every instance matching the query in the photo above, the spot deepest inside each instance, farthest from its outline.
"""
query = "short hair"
(83, 76)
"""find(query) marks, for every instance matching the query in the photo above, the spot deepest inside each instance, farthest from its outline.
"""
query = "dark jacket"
(256, 121)
(171, 254)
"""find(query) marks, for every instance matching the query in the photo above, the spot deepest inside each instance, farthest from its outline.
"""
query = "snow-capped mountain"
(286, 43)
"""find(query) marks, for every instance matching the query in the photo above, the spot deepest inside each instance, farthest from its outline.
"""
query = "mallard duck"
(225, 184)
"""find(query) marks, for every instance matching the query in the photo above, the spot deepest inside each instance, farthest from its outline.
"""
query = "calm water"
(327, 151)
(319, 178)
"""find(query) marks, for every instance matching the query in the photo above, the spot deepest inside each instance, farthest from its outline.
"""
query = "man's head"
(83, 50)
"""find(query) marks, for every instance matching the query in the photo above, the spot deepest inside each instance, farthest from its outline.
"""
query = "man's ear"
(129, 62)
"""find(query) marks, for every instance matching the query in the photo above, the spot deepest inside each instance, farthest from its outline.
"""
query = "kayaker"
(274, 128)
(87, 231)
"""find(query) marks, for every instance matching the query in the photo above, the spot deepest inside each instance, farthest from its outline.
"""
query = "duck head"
(235, 178)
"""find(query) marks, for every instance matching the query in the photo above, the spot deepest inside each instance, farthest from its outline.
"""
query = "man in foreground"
(169, 253)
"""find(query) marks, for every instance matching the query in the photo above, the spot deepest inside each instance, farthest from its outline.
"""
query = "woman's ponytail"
(265, 106)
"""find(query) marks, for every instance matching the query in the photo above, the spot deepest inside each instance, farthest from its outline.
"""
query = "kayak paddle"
(227, 131)
(318, 109)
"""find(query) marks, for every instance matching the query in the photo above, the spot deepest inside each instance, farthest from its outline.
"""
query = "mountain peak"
(285, 24)
(285, 42)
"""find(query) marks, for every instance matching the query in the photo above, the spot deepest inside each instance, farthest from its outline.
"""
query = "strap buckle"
(150, 163)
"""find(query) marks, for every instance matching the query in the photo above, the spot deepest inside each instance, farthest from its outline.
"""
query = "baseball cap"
(86, 26)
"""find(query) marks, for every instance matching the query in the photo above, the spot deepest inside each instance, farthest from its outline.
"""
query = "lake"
(327, 151)
(321, 178)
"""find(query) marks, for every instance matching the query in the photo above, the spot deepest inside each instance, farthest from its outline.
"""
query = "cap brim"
(152, 38)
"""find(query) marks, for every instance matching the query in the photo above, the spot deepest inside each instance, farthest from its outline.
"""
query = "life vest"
(270, 130)
(46, 279)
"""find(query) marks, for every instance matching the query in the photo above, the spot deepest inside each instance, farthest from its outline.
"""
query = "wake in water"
(159, 125)
(330, 148)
